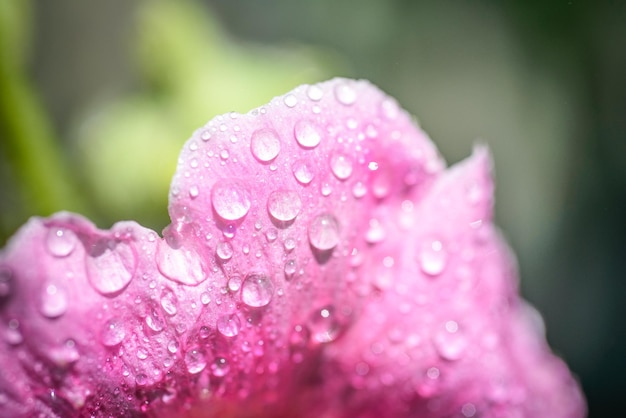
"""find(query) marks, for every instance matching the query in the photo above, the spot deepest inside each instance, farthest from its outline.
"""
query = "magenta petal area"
(321, 262)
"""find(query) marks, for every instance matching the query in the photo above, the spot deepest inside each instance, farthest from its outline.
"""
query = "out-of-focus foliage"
(190, 70)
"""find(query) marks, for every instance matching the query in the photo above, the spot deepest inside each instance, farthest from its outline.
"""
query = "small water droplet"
(345, 94)
(113, 332)
(290, 268)
(314, 93)
(224, 154)
(359, 190)
(257, 290)
(230, 200)
(308, 134)
(169, 302)
(205, 136)
(154, 321)
(326, 189)
(289, 244)
(110, 266)
(220, 367)
(173, 346)
(234, 283)
(341, 166)
(324, 232)
(324, 325)
(61, 241)
(265, 145)
(142, 353)
(6, 283)
(375, 233)
(54, 301)
(224, 251)
(271, 234)
(433, 258)
(13, 334)
(141, 379)
(193, 192)
(450, 341)
(468, 410)
(229, 325)
(290, 100)
(390, 108)
(205, 298)
(302, 172)
(194, 360)
(179, 264)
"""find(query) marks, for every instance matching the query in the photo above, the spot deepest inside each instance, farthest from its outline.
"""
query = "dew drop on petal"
(169, 302)
(194, 360)
(302, 172)
(450, 341)
(220, 367)
(341, 166)
(284, 205)
(324, 325)
(60, 242)
(289, 244)
(113, 332)
(179, 264)
(345, 94)
(154, 321)
(271, 234)
(230, 200)
(290, 100)
(433, 258)
(54, 301)
(141, 379)
(257, 290)
(6, 283)
(290, 268)
(173, 346)
(110, 266)
(307, 133)
(359, 190)
(234, 283)
(224, 251)
(324, 232)
(264, 145)
(193, 192)
(314, 93)
(229, 325)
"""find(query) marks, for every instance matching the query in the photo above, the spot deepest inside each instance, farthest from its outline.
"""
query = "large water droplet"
(229, 325)
(154, 321)
(450, 341)
(230, 200)
(307, 133)
(61, 241)
(284, 205)
(194, 360)
(110, 266)
(265, 145)
(220, 367)
(302, 172)
(169, 302)
(179, 264)
(324, 325)
(314, 93)
(113, 332)
(257, 290)
(433, 258)
(341, 166)
(53, 301)
(224, 251)
(324, 232)
(345, 94)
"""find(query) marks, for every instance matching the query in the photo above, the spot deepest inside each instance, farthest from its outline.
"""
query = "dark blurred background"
(96, 99)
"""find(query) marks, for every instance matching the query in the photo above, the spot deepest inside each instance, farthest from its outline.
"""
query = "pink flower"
(321, 262)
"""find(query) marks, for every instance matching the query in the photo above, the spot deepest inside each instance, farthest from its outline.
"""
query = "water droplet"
(234, 283)
(173, 346)
(450, 341)
(113, 332)
(229, 325)
(375, 233)
(142, 353)
(110, 266)
(6, 283)
(324, 325)
(179, 264)
(302, 172)
(290, 268)
(53, 301)
(220, 367)
(433, 258)
(231, 201)
(308, 134)
(468, 410)
(257, 290)
(289, 244)
(390, 108)
(265, 145)
(284, 205)
(193, 192)
(314, 93)
(169, 302)
(271, 234)
(224, 154)
(13, 334)
(194, 360)
(224, 251)
(290, 100)
(326, 189)
(61, 241)
(205, 298)
(154, 321)
(359, 190)
(324, 232)
(206, 135)
(341, 166)
(64, 355)
(345, 94)
(141, 379)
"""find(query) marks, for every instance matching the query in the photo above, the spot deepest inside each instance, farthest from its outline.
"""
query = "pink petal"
(320, 262)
